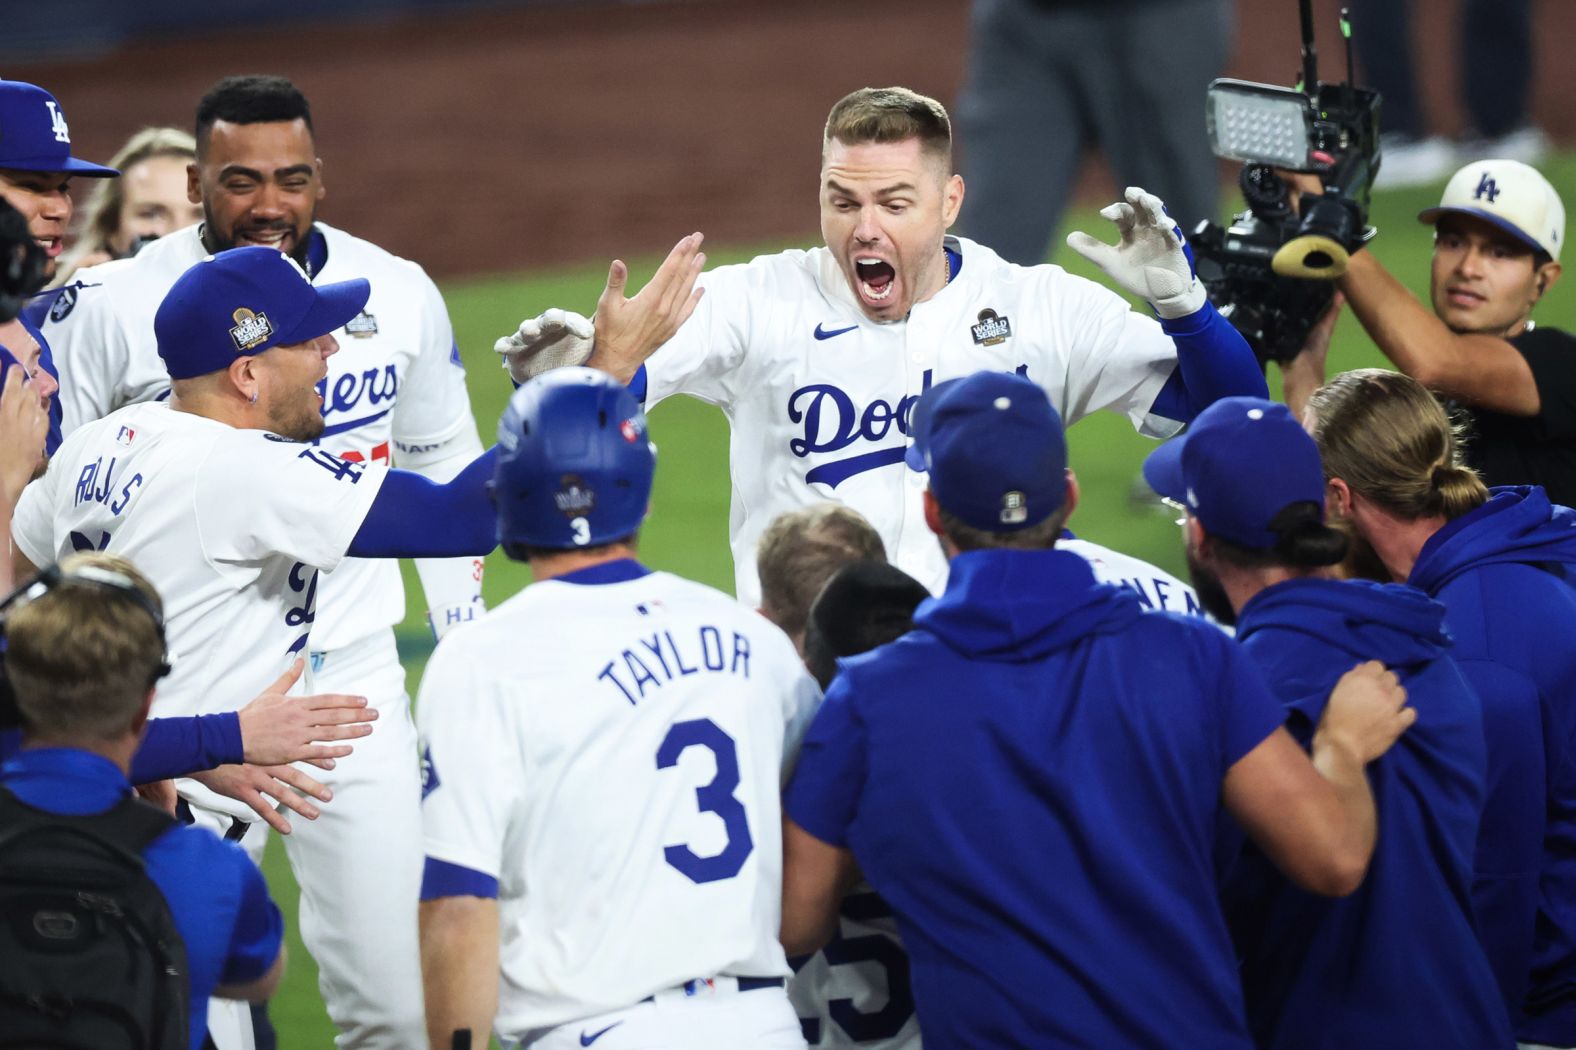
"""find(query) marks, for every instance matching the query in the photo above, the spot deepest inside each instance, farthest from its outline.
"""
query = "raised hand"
(630, 330)
(1149, 259)
(552, 339)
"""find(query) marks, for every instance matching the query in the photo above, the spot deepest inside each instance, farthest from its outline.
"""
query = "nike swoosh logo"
(822, 333)
(587, 1040)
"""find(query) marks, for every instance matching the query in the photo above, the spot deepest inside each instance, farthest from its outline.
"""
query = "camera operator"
(1498, 231)
(84, 648)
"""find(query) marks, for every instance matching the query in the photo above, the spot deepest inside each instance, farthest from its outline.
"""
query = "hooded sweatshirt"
(1503, 573)
(1397, 963)
(1032, 778)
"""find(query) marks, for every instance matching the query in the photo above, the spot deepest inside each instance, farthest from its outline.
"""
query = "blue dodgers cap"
(995, 450)
(34, 135)
(1241, 462)
(243, 302)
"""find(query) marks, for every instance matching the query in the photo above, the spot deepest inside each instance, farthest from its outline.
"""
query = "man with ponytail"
(1398, 963)
(1501, 561)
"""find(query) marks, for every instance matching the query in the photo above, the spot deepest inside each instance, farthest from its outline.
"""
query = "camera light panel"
(1258, 125)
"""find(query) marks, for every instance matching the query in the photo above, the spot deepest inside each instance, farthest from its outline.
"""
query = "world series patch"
(574, 499)
(992, 329)
(251, 330)
(362, 326)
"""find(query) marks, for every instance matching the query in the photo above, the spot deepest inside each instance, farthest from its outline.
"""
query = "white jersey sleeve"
(282, 498)
(434, 407)
(102, 365)
(704, 356)
(465, 823)
(1117, 358)
(33, 521)
(434, 433)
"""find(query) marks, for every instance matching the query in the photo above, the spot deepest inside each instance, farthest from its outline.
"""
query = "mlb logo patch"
(992, 329)
(125, 436)
(251, 330)
(362, 326)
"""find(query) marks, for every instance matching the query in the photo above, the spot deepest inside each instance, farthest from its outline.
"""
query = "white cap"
(1512, 196)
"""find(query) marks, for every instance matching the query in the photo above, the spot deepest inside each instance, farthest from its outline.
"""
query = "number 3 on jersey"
(716, 797)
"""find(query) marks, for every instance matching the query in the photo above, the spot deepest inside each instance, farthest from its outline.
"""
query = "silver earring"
(254, 397)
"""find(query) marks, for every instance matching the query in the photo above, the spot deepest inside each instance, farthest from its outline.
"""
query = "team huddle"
(942, 772)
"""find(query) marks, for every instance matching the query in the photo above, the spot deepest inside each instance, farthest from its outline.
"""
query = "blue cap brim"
(1163, 470)
(334, 305)
(70, 166)
(919, 423)
(1430, 216)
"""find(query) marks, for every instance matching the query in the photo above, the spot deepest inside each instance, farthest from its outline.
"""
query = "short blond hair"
(1392, 442)
(890, 114)
(81, 657)
(802, 549)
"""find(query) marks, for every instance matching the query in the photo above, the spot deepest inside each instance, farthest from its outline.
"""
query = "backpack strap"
(131, 825)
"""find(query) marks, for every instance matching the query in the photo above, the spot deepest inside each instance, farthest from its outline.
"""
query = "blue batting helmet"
(574, 462)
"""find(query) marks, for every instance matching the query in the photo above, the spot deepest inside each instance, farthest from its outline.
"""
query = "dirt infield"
(496, 139)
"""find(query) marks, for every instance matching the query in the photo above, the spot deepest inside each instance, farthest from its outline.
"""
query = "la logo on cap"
(57, 122)
(251, 329)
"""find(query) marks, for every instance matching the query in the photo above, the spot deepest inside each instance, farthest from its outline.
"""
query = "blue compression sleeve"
(174, 747)
(1213, 361)
(414, 517)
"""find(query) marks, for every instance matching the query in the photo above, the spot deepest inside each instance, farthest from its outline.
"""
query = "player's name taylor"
(657, 659)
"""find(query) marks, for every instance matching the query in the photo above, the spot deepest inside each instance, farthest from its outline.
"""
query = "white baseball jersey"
(818, 396)
(395, 392)
(1156, 588)
(232, 527)
(612, 754)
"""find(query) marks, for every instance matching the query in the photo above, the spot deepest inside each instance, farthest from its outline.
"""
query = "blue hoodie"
(1397, 964)
(1503, 573)
(1032, 778)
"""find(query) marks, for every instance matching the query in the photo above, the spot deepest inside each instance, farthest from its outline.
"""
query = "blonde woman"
(146, 202)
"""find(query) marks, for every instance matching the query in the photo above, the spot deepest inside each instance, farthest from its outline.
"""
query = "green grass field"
(687, 531)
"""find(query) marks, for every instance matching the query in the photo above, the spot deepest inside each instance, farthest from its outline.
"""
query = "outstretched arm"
(1151, 261)
(414, 517)
(1481, 370)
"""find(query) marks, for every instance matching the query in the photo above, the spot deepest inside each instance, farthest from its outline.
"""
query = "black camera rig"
(1270, 271)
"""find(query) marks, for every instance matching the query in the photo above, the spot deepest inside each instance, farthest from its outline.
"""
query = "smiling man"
(818, 356)
(1498, 230)
(393, 393)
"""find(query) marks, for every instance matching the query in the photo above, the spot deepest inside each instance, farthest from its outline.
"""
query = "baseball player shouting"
(818, 356)
(221, 500)
(603, 755)
(396, 393)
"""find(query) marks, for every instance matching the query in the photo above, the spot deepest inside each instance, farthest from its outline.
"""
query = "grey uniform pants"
(1048, 81)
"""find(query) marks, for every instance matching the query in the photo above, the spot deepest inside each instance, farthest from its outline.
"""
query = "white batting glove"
(1149, 259)
(553, 339)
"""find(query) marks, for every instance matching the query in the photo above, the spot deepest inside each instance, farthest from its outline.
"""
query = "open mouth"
(877, 279)
(52, 246)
